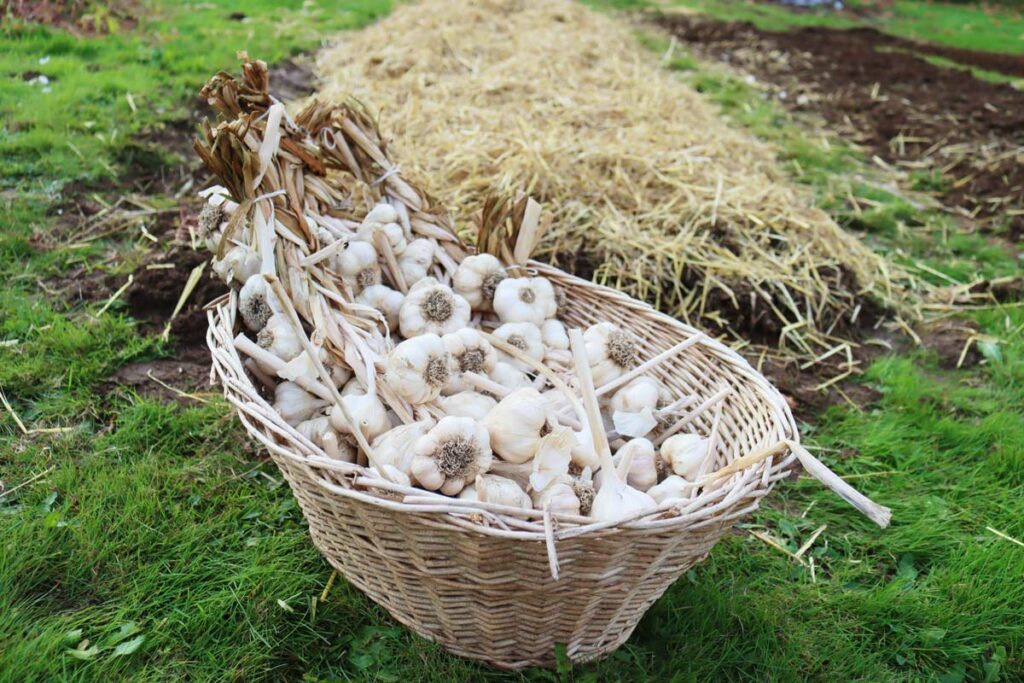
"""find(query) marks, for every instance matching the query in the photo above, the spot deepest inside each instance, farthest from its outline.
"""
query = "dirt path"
(907, 111)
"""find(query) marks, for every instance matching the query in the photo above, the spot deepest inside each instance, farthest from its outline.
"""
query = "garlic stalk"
(432, 307)
(385, 300)
(416, 260)
(294, 404)
(418, 368)
(524, 336)
(476, 278)
(395, 447)
(517, 424)
(684, 453)
(358, 265)
(451, 455)
(525, 299)
(490, 488)
(470, 404)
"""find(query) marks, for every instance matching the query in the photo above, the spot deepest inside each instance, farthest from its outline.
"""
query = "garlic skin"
(294, 403)
(358, 265)
(525, 300)
(416, 260)
(684, 453)
(383, 218)
(278, 336)
(368, 412)
(559, 498)
(240, 262)
(524, 336)
(470, 352)
(476, 279)
(634, 424)
(256, 302)
(637, 394)
(551, 461)
(418, 368)
(394, 447)
(610, 352)
(517, 425)
(672, 487)
(508, 376)
(385, 300)
(451, 455)
(431, 307)
(642, 470)
(469, 404)
(490, 488)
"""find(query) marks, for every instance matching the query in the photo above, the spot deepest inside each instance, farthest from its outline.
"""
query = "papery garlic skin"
(517, 425)
(637, 394)
(634, 424)
(551, 461)
(684, 453)
(476, 280)
(509, 376)
(672, 487)
(395, 446)
(369, 413)
(256, 302)
(642, 472)
(490, 488)
(431, 307)
(384, 299)
(451, 455)
(278, 336)
(611, 352)
(416, 260)
(470, 352)
(469, 404)
(418, 368)
(525, 299)
(559, 498)
(294, 404)
(524, 336)
(240, 262)
(358, 265)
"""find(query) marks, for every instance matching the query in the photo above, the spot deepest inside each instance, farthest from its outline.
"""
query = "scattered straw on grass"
(649, 190)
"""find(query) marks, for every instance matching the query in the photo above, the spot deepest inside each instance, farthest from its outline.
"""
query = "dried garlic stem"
(593, 411)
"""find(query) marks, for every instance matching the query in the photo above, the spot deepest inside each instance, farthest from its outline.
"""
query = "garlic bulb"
(256, 302)
(451, 455)
(278, 336)
(319, 431)
(525, 299)
(616, 499)
(432, 307)
(684, 453)
(517, 425)
(490, 488)
(637, 464)
(476, 279)
(416, 260)
(383, 218)
(468, 493)
(368, 412)
(358, 265)
(394, 447)
(560, 498)
(508, 376)
(551, 461)
(672, 487)
(524, 336)
(556, 342)
(240, 262)
(637, 394)
(467, 404)
(470, 352)
(418, 368)
(385, 300)
(294, 403)
(610, 352)
(634, 424)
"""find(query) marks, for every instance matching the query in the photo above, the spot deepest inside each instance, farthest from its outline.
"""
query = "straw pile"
(649, 191)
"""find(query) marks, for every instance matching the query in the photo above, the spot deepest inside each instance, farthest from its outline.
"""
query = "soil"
(185, 375)
(908, 112)
(78, 17)
(947, 339)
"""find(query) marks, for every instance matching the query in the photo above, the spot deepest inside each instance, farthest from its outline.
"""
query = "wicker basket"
(477, 578)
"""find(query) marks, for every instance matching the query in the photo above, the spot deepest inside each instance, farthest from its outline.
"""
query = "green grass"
(159, 548)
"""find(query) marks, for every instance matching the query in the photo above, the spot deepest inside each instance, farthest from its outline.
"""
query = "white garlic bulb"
(508, 376)
(517, 425)
(476, 279)
(416, 260)
(385, 300)
(684, 453)
(524, 336)
(418, 368)
(256, 302)
(672, 487)
(368, 412)
(610, 351)
(394, 447)
(637, 394)
(358, 265)
(432, 307)
(383, 218)
(551, 461)
(560, 498)
(490, 488)
(240, 262)
(637, 464)
(470, 352)
(451, 455)
(294, 403)
(278, 336)
(525, 299)
(468, 493)
(556, 342)
(634, 424)
(470, 404)
(616, 499)
(319, 431)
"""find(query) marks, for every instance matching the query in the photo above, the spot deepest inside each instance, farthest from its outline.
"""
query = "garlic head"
(368, 412)
(611, 352)
(637, 394)
(525, 299)
(672, 487)
(490, 488)
(637, 464)
(470, 352)
(418, 368)
(434, 308)
(257, 302)
(551, 461)
(684, 453)
(416, 260)
(451, 455)
(477, 278)
(385, 300)
(517, 425)
(240, 262)
(394, 447)
(294, 404)
(524, 336)
(470, 404)
(358, 265)
(559, 498)
(278, 336)
(509, 376)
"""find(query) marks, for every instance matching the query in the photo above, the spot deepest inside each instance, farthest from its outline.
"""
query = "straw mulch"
(649, 190)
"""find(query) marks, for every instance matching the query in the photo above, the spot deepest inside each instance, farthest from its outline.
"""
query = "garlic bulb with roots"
(637, 394)
(525, 299)
(256, 302)
(416, 260)
(383, 219)
(517, 425)
(611, 352)
(476, 279)
(524, 336)
(432, 307)
(451, 455)
(490, 488)
(418, 368)
(470, 404)
(470, 352)
(279, 337)
(395, 446)
(294, 404)
(672, 487)
(358, 265)
(684, 453)
(385, 300)
(559, 498)
(637, 464)
(551, 461)
(509, 376)
(369, 413)
(240, 262)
